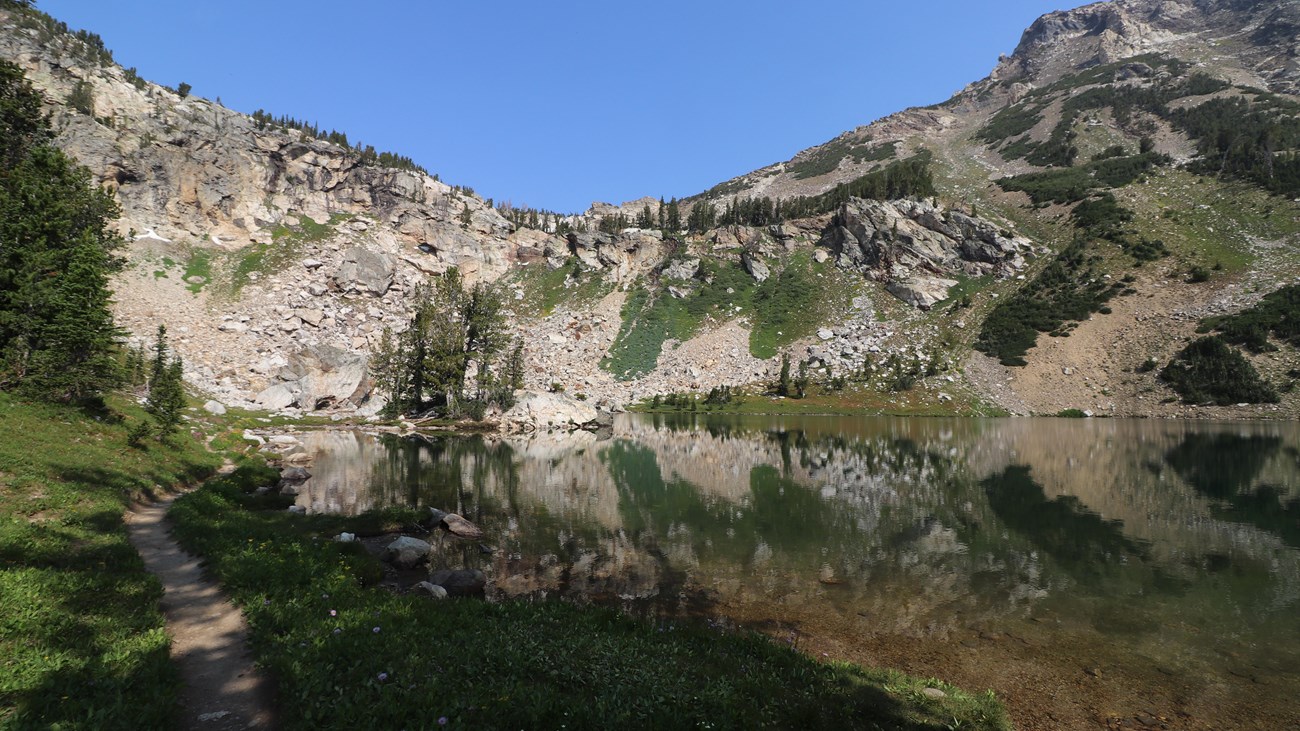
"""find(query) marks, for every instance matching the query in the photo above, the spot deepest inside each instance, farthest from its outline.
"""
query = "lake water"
(1093, 573)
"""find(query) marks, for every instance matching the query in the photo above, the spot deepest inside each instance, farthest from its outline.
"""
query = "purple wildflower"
(334, 613)
(375, 630)
(442, 721)
(383, 677)
(337, 630)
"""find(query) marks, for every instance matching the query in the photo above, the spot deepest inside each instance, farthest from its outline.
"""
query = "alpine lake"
(1096, 573)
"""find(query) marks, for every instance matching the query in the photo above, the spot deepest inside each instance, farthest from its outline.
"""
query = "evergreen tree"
(515, 367)
(454, 333)
(801, 381)
(783, 385)
(673, 219)
(57, 337)
(166, 399)
(645, 220)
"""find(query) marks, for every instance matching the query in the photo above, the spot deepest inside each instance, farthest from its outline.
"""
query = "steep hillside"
(1048, 239)
(1161, 137)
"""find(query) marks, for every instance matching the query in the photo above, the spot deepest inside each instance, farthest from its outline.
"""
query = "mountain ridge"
(278, 253)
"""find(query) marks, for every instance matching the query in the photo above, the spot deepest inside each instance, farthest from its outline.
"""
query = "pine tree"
(166, 399)
(673, 219)
(515, 366)
(57, 337)
(783, 385)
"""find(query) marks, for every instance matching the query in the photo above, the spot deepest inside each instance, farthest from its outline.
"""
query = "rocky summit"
(1048, 239)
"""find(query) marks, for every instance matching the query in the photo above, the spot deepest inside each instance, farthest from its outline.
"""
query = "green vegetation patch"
(286, 247)
(1277, 315)
(910, 178)
(81, 632)
(1254, 139)
(1071, 184)
(544, 288)
(789, 306)
(827, 158)
(1069, 289)
(1210, 371)
(198, 269)
(652, 316)
(346, 656)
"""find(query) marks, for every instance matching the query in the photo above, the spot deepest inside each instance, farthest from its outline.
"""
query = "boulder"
(921, 292)
(407, 552)
(433, 591)
(294, 474)
(366, 272)
(544, 411)
(461, 528)
(277, 397)
(460, 582)
(682, 269)
(327, 375)
(755, 266)
(215, 407)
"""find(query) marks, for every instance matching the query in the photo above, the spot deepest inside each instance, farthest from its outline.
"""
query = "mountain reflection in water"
(1172, 542)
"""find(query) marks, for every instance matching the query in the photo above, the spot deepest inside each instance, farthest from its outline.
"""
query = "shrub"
(1209, 371)
(1278, 314)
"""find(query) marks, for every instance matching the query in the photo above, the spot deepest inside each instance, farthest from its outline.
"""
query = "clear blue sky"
(557, 104)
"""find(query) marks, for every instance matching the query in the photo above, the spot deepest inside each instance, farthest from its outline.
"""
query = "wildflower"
(337, 630)
(334, 613)
(442, 721)
(266, 602)
(375, 630)
(383, 677)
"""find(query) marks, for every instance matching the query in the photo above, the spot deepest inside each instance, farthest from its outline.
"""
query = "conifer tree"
(783, 385)
(57, 337)
(166, 399)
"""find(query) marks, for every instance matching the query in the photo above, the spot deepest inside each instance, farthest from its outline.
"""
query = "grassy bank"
(347, 656)
(81, 635)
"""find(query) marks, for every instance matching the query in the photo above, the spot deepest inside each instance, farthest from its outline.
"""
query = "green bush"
(1209, 371)
(1278, 314)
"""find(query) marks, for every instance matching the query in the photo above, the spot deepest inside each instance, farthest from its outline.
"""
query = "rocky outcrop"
(318, 377)
(366, 272)
(916, 247)
(549, 411)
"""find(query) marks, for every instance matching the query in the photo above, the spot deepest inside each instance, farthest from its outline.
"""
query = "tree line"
(366, 153)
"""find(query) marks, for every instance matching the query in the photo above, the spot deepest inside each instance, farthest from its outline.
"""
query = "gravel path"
(221, 687)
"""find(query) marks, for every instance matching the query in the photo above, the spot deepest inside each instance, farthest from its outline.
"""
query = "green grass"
(787, 307)
(545, 288)
(82, 644)
(199, 265)
(286, 247)
(327, 639)
(792, 304)
(651, 316)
